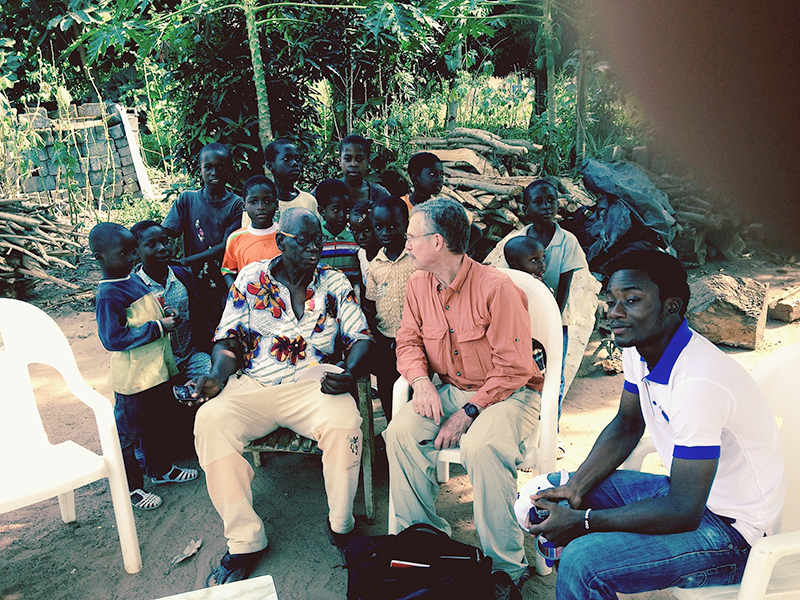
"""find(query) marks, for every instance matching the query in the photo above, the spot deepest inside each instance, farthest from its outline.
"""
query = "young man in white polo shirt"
(632, 532)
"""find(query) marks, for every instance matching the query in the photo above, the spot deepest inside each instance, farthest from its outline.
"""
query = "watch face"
(471, 410)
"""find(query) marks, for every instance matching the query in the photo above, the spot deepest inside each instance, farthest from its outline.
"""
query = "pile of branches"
(32, 241)
(487, 175)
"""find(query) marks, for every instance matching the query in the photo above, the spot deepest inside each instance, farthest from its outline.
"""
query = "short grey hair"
(449, 219)
(289, 215)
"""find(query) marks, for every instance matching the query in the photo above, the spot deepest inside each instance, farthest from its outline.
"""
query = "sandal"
(176, 475)
(145, 500)
(233, 567)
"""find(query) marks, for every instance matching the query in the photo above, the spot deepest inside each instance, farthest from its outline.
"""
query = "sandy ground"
(43, 558)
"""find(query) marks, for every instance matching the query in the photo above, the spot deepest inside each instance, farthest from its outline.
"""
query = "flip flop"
(233, 567)
(145, 500)
(176, 475)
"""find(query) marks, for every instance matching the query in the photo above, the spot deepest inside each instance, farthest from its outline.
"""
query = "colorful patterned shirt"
(277, 346)
(341, 252)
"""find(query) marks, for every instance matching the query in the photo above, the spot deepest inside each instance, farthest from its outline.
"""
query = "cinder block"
(33, 185)
(118, 189)
(47, 137)
(50, 183)
(42, 155)
(130, 186)
(36, 118)
(83, 165)
(93, 109)
(129, 171)
(97, 163)
(124, 150)
(116, 131)
(62, 194)
(99, 132)
(98, 148)
(96, 177)
(126, 160)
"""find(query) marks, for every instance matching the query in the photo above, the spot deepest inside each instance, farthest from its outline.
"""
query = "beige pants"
(246, 410)
(490, 450)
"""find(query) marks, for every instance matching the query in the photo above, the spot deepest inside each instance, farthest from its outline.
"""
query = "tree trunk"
(580, 108)
(259, 76)
(452, 105)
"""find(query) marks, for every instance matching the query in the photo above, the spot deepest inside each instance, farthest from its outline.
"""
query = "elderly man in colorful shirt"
(281, 317)
(469, 324)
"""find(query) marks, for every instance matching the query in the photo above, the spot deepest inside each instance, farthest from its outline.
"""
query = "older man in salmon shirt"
(468, 324)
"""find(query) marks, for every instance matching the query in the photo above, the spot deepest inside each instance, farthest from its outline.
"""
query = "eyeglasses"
(303, 239)
(411, 238)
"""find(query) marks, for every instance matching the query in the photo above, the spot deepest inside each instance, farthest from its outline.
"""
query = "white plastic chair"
(31, 468)
(540, 454)
(778, 376)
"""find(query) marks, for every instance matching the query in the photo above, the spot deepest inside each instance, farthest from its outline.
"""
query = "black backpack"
(419, 562)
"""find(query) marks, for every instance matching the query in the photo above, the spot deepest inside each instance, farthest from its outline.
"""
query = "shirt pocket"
(476, 355)
(434, 339)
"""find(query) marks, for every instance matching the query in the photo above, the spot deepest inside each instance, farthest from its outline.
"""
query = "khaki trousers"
(490, 451)
(246, 410)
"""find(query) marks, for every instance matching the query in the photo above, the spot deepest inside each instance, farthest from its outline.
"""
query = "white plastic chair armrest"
(636, 458)
(401, 393)
(764, 554)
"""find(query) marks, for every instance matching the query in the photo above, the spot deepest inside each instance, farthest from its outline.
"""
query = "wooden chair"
(286, 440)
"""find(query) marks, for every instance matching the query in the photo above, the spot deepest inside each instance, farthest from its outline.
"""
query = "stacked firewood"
(706, 228)
(487, 175)
(31, 242)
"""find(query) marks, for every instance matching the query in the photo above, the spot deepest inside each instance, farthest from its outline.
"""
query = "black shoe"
(233, 567)
(504, 588)
(340, 540)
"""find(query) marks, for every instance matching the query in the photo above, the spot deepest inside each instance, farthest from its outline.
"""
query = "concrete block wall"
(82, 150)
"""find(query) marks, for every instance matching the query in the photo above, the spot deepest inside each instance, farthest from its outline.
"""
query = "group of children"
(158, 319)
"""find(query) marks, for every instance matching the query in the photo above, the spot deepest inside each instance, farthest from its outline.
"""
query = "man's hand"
(337, 383)
(558, 493)
(452, 430)
(562, 526)
(426, 401)
(204, 388)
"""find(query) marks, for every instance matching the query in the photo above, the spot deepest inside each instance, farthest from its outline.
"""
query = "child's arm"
(204, 256)
(229, 279)
(562, 293)
(116, 336)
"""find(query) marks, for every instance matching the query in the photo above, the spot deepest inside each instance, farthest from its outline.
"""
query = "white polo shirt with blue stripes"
(699, 403)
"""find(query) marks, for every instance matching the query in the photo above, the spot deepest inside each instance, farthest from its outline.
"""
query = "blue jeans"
(139, 420)
(599, 565)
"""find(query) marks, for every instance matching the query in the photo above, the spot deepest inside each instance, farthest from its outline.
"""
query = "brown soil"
(46, 559)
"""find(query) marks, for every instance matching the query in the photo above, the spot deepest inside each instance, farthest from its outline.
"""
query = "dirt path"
(43, 558)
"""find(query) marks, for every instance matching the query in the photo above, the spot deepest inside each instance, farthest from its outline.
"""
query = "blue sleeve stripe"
(631, 387)
(695, 452)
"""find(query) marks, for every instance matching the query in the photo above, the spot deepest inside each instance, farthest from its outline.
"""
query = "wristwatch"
(471, 410)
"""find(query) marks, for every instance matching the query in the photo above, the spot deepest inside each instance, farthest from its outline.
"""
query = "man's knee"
(211, 417)
(403, 426)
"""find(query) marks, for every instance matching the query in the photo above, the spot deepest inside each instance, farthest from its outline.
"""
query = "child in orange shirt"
(256, 241)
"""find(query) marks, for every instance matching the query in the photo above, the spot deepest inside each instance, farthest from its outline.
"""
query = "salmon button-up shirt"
(475, 333)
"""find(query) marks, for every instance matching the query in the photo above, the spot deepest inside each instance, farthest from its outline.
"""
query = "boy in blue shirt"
(205, 218)
(133, 325)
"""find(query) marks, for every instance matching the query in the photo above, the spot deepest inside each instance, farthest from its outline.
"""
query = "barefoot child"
(255, 241)
(134, 327)
(205, 218)
(386, 291)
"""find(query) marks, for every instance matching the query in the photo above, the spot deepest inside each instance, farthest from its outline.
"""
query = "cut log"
(489, 139)
(465, 156)
(495, 188)
(27, 221)
(39, 274)
(529, 145)
(786, 307)
(729, 310)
